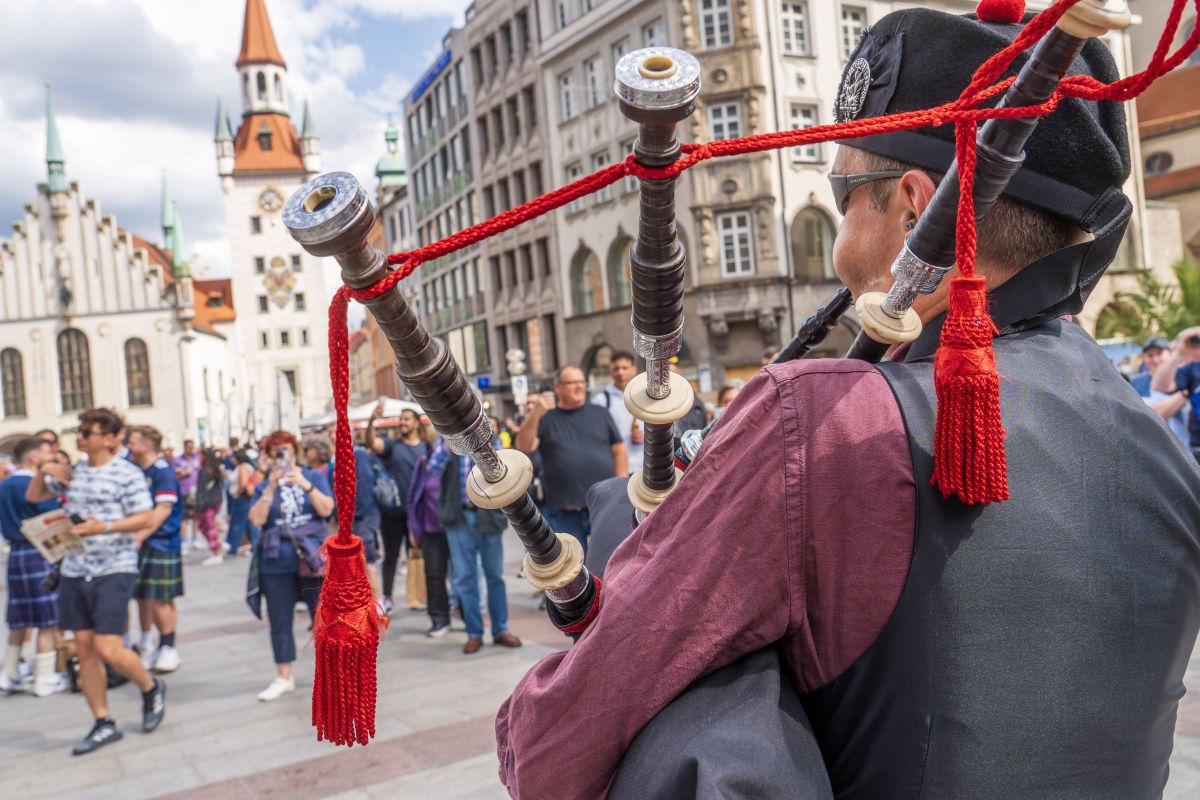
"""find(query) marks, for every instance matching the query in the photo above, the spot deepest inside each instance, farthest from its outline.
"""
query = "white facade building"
(281, 291)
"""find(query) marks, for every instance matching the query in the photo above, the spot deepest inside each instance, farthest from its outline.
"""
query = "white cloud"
(136, 83)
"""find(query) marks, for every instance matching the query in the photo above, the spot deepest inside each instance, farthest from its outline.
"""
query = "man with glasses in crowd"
(579, 446)
(108, 501)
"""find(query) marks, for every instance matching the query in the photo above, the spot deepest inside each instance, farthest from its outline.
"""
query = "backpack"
(387, 493)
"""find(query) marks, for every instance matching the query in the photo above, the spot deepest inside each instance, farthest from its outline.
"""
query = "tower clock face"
(270, 200)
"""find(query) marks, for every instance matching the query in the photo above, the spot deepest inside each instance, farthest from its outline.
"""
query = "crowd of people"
(1168, 379)
(138, 510)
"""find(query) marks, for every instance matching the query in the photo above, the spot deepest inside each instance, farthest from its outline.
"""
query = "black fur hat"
(918, 58)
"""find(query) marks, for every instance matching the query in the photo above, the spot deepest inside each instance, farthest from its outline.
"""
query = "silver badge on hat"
(854, 89)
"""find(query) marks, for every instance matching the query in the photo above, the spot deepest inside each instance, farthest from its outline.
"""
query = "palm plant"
(1157, 308)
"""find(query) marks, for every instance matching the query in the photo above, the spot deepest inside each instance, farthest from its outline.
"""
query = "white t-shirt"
(109, 493)
(1177, 423)
(613, 399)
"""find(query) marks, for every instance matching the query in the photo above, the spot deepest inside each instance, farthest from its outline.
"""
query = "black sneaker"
(437, 631)
(154, 706)
(102, 733)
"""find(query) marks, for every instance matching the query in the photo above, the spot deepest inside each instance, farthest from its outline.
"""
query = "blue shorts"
(99, 604)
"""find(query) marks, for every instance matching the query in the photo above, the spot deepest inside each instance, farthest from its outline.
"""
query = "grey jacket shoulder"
(612, 521)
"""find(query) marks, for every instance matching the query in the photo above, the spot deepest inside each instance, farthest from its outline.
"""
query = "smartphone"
(283, 459)
(76, 519)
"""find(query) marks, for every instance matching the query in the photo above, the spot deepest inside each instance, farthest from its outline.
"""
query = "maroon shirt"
(794, 523)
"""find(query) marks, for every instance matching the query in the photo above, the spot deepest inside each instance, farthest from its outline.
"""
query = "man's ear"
(915, 190)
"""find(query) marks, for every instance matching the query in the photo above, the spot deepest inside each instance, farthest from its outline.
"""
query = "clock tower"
(280, 291)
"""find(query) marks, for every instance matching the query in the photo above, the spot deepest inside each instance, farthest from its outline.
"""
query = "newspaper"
(50, 534)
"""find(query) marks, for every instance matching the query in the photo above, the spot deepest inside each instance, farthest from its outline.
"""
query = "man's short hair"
(149, 433)
(558, 376)
(415, 415)
(27, 445)
(107, 420)
(1012, 236)
(623, 355)
(186, 442)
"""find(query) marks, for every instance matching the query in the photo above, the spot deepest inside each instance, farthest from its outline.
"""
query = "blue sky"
(136, 83)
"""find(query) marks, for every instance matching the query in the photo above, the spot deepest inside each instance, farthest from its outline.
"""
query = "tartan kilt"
(160, 575)
(29, 606)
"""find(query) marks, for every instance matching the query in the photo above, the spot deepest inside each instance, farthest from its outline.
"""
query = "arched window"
(586, 287)
(74, 370)
(619, 290)
(278, 89)
(246, 89)
(12, 375)
(812, 246)
(261, 80)
(137, 372)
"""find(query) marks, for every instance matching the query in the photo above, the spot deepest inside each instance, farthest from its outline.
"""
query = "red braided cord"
(962, 110)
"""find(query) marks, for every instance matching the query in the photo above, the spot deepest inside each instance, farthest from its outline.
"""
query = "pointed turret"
(56, 179)
(258, 40)
(179, 265)
(310, 145)
(166, 211)
(390, 169)
(223, 142)
(264, 74)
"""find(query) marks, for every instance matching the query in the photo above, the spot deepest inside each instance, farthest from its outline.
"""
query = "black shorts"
(98, 604)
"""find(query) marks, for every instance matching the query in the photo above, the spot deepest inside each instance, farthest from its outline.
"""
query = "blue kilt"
(29, 606)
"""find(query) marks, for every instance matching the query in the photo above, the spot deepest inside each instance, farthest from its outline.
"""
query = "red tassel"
(346, 633)
(1006, 11)
(969, 458)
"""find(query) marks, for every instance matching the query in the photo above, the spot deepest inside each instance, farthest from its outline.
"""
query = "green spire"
(179, 265)
(390, 169)
(168, 216)
(222, 131)
(308, 129)
(57, 180)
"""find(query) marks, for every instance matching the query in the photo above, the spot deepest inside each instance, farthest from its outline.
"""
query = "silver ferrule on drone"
(476, 442)
(573, 590)
(913, 277)
(658, 352)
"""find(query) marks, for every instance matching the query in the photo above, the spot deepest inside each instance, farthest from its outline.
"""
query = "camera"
(1193, 341)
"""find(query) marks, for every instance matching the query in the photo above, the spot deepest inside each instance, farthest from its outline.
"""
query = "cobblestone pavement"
(434, 720)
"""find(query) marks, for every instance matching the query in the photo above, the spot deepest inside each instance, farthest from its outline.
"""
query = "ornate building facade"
(280, 290)
(91, 314)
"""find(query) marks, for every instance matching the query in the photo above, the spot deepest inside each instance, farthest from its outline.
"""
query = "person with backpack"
(374, 490)
(622, 366)
(210, 491)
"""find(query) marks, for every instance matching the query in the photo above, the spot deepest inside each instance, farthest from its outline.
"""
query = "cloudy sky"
(136, 84)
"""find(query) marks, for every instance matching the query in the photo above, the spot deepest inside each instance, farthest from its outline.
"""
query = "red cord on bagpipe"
(969, 440)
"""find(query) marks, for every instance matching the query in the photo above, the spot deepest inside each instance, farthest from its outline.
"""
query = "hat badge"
(854, 89)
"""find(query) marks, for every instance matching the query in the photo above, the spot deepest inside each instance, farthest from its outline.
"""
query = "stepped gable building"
(92, 314)
(281, 290)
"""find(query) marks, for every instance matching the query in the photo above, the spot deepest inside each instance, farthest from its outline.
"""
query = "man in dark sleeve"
(1178, 377)
(579, 445)
(942, 650)
(400, 455)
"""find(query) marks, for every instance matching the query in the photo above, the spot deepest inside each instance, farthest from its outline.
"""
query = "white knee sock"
(12, 660)
(43, 665)
(147, 641)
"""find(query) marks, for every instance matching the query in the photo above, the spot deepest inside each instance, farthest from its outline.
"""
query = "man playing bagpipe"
(942, 649)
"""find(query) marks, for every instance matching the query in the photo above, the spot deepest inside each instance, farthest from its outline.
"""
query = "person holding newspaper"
(109, 503)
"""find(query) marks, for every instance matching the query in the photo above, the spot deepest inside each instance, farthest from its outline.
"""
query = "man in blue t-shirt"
(1179, 376)
(1154, 352)
(160, 562)
(29, 605)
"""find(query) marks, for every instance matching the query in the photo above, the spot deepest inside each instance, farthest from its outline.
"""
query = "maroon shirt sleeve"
(794, 523)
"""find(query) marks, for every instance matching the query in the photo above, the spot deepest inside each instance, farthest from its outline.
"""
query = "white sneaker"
(168, 659)
(150, 657)
(54, 684)
(212, 561)
(278, 688)
(224, 547)
(11, 685)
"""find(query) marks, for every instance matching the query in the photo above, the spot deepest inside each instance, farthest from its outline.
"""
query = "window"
(477, 65)
(498, 124)
(591, 81)
(264, 340)
(137, 372)
(12, 375)
(529, 101)
(523, 31)
(804, 115)
(304, 337)
(493, 57)
(601, 160)
(74, 371)
(585, 275)
(256, 224)
(503, 195)
(489, 202)
(497, 277)
(630, 182)
(264, 137)
(812, 246)
(485, 143)
(543, 246)
(262, 304)
(1158, 163)
(854, 20)
(619, 49)
(737, 255)
(527, 263)
(297, 264)
(510, 265)
(562, 14)
(278, 89)
(619, 290)
(289, 375)
(716, 24)
(794, 22)
(513, 104)
(506, 38)
(574, 173)
(652, 33)
(588, 5)
(284, 339)
(550, 343)
(566, 96)
(518, 185)
(725, 120)
(535, 177)
(260, 265)
(300, 304)
(260, 82)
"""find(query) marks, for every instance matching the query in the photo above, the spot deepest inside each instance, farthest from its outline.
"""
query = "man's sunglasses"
(843, 185)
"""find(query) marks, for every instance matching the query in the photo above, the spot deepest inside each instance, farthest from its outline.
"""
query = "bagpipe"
(657, 88)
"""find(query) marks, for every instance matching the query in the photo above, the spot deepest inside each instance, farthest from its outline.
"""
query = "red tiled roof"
(213, 303)
(284, 155)
(1171, 103)
(1174, 182)
(158, 256)
(258, 40)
